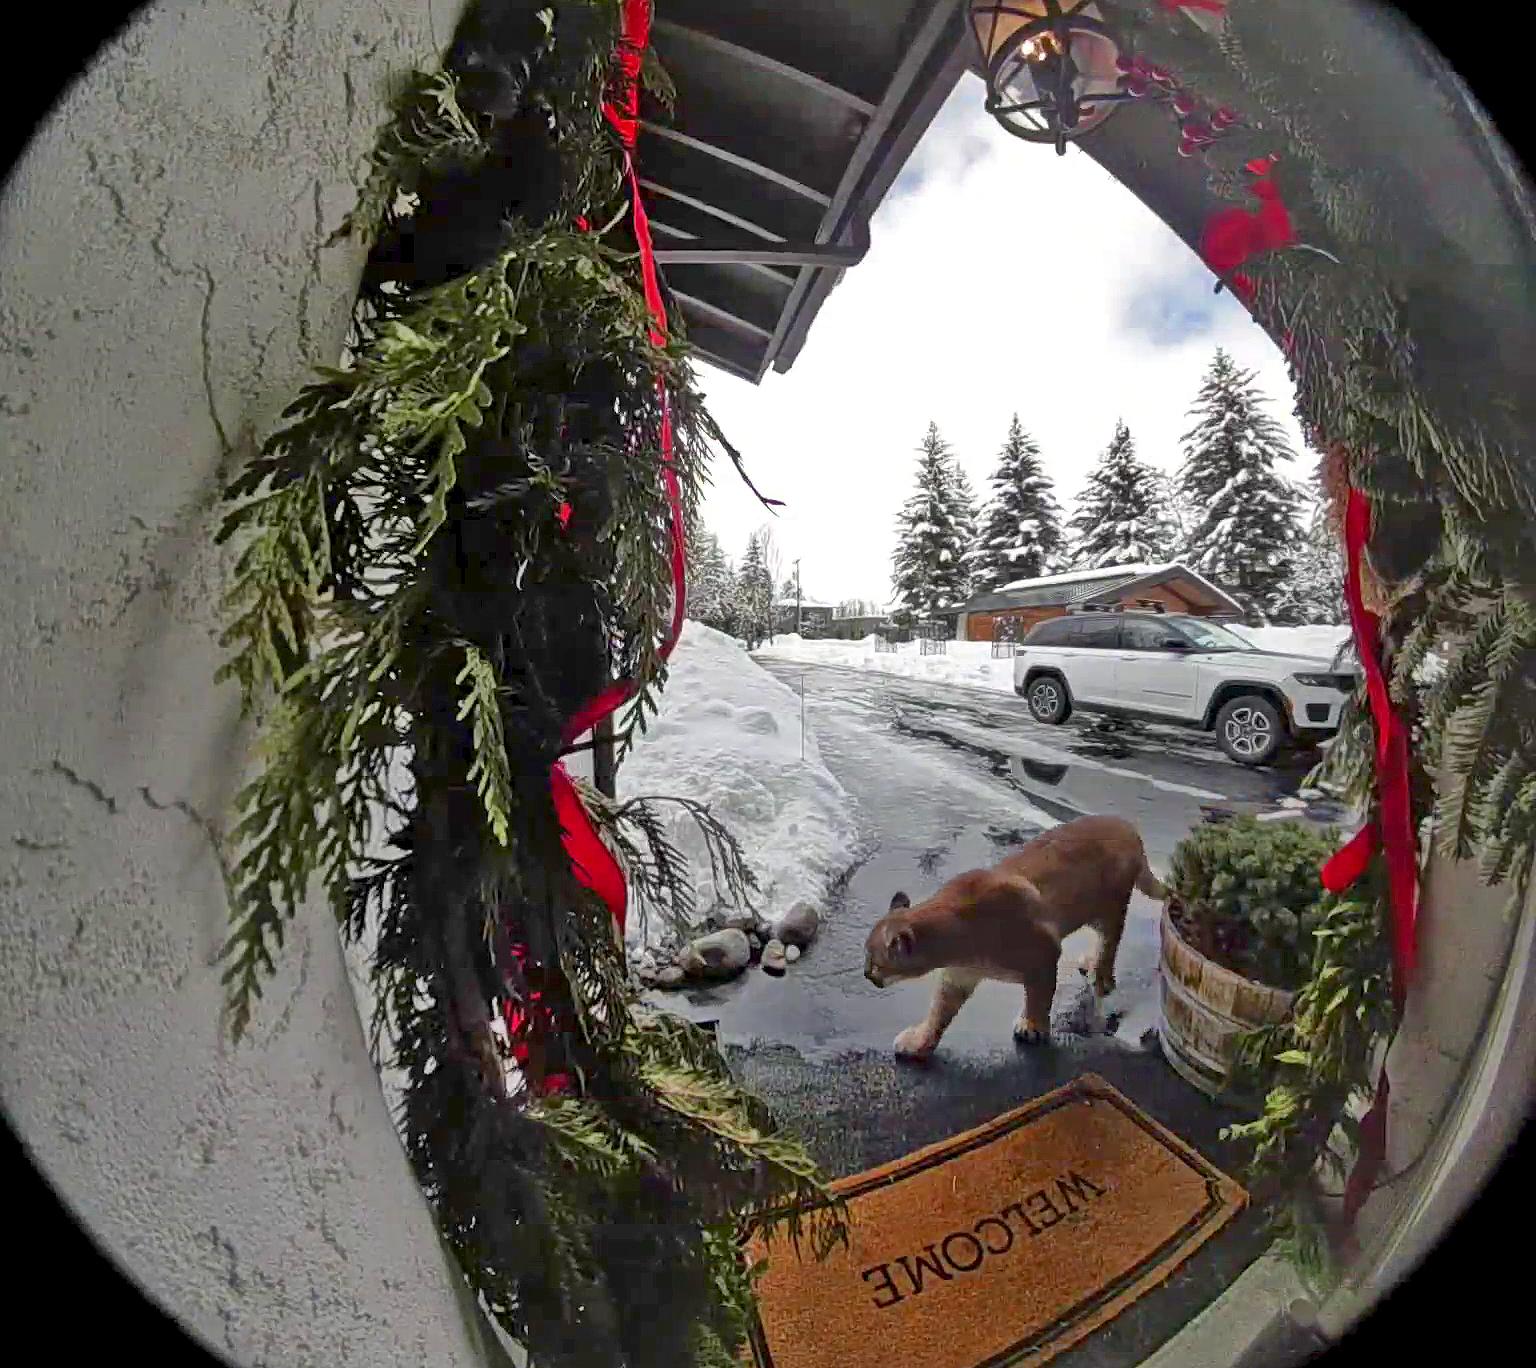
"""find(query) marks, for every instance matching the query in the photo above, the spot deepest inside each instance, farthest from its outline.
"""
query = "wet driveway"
(948, 779)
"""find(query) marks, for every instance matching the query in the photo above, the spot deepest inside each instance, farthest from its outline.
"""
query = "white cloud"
(1001, 277)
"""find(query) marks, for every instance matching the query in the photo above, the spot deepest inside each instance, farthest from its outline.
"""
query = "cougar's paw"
(1025, 1034)
(914, 1043)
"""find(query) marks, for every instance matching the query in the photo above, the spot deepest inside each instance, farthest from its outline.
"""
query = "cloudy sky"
(1001, 278)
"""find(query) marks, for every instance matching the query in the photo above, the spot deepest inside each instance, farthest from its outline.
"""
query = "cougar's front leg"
(1034, 1026)
(950, 994)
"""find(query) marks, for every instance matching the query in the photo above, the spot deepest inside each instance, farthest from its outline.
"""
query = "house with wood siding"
(1173, 588)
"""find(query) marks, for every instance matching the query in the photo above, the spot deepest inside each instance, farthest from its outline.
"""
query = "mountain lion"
(1008, 923)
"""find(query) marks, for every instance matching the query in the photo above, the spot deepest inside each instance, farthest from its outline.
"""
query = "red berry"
(1197, 130)
(1224, 115)
(1135, 86)
(1124, 63)
(1186, 149)
(1160, 74)
(1183, 103)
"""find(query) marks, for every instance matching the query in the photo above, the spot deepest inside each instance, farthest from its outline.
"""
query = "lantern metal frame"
(1052, 73)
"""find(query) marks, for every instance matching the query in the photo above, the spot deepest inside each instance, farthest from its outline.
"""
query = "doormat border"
(1089, 1086)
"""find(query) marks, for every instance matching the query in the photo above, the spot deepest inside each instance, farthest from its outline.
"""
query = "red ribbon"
(1391, 832)
(1234, 236)
(593, 863)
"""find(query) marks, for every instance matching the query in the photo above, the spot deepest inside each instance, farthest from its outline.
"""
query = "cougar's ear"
(898, 944)
(900, 900)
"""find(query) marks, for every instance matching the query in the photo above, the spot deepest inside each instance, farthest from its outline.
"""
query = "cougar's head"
(891, 951)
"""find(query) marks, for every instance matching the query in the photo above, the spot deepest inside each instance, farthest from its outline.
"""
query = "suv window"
(1053, 632)
(1101, 632)
(1143, 634)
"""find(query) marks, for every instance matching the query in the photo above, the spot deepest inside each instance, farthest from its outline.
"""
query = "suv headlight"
(1343, 683)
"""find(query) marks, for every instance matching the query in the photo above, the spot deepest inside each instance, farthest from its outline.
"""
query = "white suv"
(1171, 668)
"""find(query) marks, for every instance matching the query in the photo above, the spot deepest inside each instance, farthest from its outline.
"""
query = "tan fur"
(1008, 923)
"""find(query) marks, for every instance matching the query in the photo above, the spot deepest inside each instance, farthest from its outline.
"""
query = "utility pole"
(797, 597)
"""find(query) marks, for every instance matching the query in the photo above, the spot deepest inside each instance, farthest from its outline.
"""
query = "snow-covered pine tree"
(1249, 524)
(709, 587)
(754, 594)
(934, 531)
(1314, 590)
(1122, 513)
(1021, 535)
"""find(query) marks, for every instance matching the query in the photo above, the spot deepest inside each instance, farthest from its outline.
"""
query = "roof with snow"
(804, 602)
(1107, 584)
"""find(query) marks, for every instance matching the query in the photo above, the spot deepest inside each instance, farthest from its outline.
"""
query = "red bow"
(1236, 235)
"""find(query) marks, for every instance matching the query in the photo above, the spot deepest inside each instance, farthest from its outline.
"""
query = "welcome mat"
(997, 1248)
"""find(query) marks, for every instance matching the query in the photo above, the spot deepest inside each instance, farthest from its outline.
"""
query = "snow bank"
(963, 662)
(728, 735)
(1321, 642)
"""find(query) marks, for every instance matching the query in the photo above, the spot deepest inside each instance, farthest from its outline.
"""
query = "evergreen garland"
(455, 541)
(1427, 405)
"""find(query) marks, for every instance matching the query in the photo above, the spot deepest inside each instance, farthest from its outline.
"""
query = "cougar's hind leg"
(1110, 929)
(950, 994)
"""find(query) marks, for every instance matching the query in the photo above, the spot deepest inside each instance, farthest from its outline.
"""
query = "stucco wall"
(163, 289)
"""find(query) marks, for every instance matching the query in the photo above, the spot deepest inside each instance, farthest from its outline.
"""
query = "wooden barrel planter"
(1205, 1007)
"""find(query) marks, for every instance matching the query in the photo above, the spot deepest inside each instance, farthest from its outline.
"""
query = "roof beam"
(725, 216)
(702, 252)
(720, 363)
(724, 317)
(721, 47)
(752, 168)
(886, 143)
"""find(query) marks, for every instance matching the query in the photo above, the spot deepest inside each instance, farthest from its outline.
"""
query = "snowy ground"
(729, 735)
(972, 663)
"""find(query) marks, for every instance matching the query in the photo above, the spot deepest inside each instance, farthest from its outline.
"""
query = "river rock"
(670, 977)
(791, 953)
(741, 921)
(798, 926)
(773, 958)
(719, 955)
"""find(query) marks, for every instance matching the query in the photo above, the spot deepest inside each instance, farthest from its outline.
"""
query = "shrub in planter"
(1247, 895)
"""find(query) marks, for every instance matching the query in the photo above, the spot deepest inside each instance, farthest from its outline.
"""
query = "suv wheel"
(1047, 698)
(1250, 729)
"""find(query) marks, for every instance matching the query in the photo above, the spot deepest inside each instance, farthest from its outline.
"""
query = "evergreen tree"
(709, 579)
(754, 594)
(933, 533)
(1021, 534)
(1122, 515)
(1249, 526)
(1314, 591)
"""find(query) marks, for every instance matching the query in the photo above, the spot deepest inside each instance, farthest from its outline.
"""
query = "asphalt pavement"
(947, 779)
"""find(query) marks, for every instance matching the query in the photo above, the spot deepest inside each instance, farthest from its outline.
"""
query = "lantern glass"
(1025, 44)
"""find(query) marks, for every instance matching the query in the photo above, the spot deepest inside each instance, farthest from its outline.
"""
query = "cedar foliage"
(409, 591)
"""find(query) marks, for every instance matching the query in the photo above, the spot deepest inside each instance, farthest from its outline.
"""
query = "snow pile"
(964, 662)
(728, 735)
(1319, 642)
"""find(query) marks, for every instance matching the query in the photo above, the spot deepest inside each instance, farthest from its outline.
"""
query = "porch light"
(1051, 67)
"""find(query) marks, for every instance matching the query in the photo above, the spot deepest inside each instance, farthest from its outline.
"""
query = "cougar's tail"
(1147, 882)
